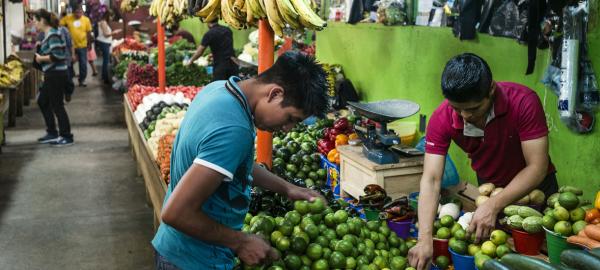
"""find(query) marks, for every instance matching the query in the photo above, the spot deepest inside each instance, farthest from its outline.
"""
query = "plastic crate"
(333, 175)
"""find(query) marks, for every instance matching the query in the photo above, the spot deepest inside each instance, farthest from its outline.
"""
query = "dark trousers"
(70, 85)
(105, 48)
(549, 186)
(82, 62)
(161, 263)
(222, 71)
(51, 103)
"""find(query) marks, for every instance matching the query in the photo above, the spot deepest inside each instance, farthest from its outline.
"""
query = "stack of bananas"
(169, 11)
(129, 5)
(11, 73)
(239, 14)
(329, 70)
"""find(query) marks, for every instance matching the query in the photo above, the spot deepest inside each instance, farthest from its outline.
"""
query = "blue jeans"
(161, 263)
(105, 48)
(82, 62)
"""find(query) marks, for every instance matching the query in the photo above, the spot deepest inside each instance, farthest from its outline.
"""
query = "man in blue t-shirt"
(212, 164)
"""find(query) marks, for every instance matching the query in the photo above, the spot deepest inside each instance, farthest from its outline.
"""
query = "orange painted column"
(266, 51)
(162, 76)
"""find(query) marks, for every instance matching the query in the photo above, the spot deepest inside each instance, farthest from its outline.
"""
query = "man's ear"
(275, 92)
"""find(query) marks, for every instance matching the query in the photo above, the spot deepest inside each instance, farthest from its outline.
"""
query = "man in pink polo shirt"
(502, 128)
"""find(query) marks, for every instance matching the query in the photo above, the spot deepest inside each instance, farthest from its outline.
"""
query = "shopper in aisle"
(91, 57)
(81, 31)
(213, 164)
(52, 57)
(176, 33)
(502, 127)
(105, 35)
(220, 41)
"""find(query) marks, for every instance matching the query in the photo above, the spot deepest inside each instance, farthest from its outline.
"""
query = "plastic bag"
(505, 22)
(450, 177)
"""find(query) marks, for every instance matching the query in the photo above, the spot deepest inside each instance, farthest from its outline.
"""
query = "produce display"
(487, 190)
(11, 72)
(570, 259)
(375, 197)
(398, 211)
(281, 14)
(168, 11)
(148, 96)
(565, 214)
(314, 236)
(128, 44)
(295, 158)
(340, 133)
(144, 75)
(192, 75)
(163, 158)
(523, 218)
(167, 122)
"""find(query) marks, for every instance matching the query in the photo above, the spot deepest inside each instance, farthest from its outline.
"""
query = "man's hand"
(74, 58)
(484, 221)
(421, 254)
(253, 250)
(297, 193)
(37, 58)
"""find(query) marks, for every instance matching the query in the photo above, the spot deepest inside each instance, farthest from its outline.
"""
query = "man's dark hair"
(466, 77)
(303, 81)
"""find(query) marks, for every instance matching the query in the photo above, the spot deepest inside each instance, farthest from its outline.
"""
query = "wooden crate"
(356, 171)
(156, 188)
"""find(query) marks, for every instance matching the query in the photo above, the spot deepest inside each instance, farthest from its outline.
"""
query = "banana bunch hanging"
(129, 5)
(169, 11)
(240, 14)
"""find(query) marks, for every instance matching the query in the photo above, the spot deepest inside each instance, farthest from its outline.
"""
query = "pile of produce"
(144, 75)
(11, 72)
(341, 132)
(128, 44)
(398, 211)
(314, 236)
(523, 218)
(165, 123)
(141, 56)
(174, 53)
(565, 214)
(149, 95)
(120, 69)
(129, 5)
(570, 259)
(192, 75)
(487, 190)
(375, 197)
(168, 11)
(240, 14)
(295, 158)
(165, 146)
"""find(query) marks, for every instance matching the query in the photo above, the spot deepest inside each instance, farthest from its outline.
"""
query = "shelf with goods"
(15, 82)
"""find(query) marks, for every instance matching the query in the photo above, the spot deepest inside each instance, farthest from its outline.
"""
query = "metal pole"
(162, 78)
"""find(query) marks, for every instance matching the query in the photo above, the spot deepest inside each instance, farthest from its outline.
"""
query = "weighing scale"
(377, 143)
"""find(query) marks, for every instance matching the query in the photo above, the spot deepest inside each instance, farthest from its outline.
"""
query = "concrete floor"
(78, 207)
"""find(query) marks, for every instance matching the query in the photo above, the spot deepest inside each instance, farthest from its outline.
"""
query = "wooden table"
(147, 167)
(15, 95)
(356, 172)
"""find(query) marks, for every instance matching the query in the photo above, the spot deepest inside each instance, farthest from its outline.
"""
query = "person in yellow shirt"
(80, 28)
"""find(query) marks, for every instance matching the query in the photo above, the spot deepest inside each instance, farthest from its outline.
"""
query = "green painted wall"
(198, 28)
(406, 63)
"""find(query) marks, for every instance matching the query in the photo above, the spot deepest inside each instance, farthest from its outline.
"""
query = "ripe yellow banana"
(256, 8)
(228, 16)
(288, 13)
(274, 18)
(214, 13)
(249, 14)
(308, 17)
(209, 8)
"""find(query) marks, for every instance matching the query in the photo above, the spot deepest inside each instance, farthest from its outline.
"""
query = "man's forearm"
(265, 179)
(428, 203)
(525, 181)
(197, 54)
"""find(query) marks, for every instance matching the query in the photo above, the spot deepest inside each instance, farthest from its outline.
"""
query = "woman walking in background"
(104, 39)
(52, 57)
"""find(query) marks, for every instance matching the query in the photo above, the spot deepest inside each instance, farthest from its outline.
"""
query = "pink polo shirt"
(496, 157)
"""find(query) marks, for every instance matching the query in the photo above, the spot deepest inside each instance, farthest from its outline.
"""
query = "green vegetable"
(516, 261)
(494, 265)
(511, 210)
(575, 190)
(579, 259)
(526, 211)
(515, 222)
(532, 224)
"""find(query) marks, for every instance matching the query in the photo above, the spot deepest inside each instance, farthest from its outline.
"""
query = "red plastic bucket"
(527, 243)
(440, 248)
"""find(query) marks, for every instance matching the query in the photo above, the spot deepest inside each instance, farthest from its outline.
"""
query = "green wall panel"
(406, 63)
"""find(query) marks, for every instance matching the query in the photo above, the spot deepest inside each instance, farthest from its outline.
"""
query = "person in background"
(213, 167)
(80, 28)
(220, 41)
(105, 35)
(502, 127)
(91, 57)
(177, 33)
(52, 57)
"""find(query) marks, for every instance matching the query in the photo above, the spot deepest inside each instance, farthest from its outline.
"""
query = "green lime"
(350, 263)
(317, 206)
(460, 234)
(293, 217)
(442, 262)
(302, 207)
(398, 263)
(330, 234)
(502, 250)
(443, 233)
(322, 240)
(275, 235)
(342, 229)
(447, 221)
(314, 251)
(283, 244)
(320, 265)
(337, 260)
(345, 247)
(312, 231)
(329, 220)
(306, 261)
(247, 218)
(326, 253)
(340, 216)
(380, 262)
(293, 262)
(373, 225)
(298, 245)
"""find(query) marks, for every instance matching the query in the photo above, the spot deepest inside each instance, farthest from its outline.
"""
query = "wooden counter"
(147, 167)
(356, 171)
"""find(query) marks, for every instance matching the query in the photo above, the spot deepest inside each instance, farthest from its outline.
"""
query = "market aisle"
(79, 207)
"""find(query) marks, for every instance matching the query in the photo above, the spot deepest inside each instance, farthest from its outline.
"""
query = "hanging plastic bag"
(505, 21)
(450, 177)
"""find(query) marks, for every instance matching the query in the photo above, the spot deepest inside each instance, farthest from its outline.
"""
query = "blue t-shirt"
(217, 132)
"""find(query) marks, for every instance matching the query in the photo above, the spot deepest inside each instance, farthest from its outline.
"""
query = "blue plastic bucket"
(462, 262)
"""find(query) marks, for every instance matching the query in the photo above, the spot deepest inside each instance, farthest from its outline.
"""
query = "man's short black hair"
(466, 77)
(303, 81)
